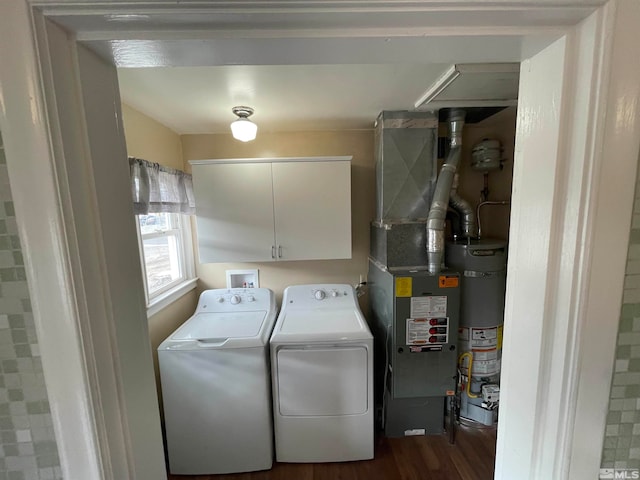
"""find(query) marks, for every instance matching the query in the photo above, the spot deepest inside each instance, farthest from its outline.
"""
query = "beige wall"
(278, 275)
(152, 141)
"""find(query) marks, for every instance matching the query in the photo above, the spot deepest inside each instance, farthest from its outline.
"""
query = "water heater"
(483, 268)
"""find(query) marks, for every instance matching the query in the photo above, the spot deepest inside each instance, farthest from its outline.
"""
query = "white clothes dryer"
(322, 376)
(214, 372)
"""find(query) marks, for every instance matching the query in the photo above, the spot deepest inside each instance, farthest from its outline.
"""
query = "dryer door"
(322, 381)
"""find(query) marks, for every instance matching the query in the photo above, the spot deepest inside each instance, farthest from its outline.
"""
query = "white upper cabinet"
(234, 212)
(256, 210)
(312, 205)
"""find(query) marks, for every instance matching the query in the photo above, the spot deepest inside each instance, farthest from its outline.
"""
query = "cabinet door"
(234, 212)
(312, 208)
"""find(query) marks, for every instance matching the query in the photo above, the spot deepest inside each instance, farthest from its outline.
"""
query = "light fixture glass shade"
(244, 130)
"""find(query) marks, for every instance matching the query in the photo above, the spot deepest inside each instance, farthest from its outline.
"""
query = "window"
(162, 202)
(161, 244)
(166, 253)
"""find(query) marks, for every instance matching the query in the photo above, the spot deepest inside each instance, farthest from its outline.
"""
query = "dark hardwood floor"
(409, 458)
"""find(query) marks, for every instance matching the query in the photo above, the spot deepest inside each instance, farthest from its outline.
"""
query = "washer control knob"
(235, 299)
(320, 294)
(334, 293)
(250, 298)
(220, 299)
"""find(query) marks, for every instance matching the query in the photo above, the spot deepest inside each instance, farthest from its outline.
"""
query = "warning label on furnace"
(403, 286)
(417, 331)
(435, 306)
(447, 281)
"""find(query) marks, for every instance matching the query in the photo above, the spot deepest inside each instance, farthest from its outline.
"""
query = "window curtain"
(159, 189)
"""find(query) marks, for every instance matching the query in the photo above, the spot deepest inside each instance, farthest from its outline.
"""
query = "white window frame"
(186, 260)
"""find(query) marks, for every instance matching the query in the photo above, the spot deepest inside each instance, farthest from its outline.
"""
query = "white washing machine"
(322, 374)
(214, 372)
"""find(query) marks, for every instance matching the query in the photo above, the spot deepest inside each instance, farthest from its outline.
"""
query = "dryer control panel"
(319, 295)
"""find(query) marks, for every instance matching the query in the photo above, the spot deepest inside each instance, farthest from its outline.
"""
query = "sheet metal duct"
(406, 164)
(438, 211)
(468, 224)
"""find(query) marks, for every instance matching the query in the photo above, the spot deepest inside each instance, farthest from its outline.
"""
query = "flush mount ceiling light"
(243, 129)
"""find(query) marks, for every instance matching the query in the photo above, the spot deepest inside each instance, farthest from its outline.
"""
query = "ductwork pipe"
(460, 205)
(438, 211)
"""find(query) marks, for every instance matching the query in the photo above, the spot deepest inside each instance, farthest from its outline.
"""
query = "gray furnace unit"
(414, 310)
(416, 329)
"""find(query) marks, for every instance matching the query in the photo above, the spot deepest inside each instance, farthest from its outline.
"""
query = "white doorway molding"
(577, 148)
(573, 191)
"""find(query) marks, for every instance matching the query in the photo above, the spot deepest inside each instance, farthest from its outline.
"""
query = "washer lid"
(321, 325)
(219, 330)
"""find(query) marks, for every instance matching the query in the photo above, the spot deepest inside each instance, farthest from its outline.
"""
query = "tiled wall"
(622, 435)
(28, 448)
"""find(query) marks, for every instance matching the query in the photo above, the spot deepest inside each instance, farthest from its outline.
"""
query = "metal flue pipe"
(438, 211)
(463, 207)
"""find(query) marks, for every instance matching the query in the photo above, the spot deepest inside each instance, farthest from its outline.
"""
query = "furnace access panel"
(425, 334)
(421, 317)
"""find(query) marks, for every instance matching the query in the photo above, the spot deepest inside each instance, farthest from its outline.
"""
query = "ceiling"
(302, 72)
(284, 97)
(305, 65)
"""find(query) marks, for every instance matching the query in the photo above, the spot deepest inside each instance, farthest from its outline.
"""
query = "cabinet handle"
(279, 251)
(273, 251)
